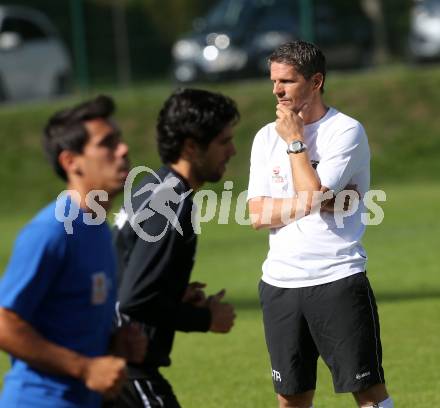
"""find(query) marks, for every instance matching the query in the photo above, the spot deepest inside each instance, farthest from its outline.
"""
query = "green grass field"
(233, 370)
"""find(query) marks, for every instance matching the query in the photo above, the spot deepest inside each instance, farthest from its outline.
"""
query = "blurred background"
(384, 70)
(81, 44)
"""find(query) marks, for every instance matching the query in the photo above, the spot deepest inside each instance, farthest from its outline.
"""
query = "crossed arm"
(268, 212)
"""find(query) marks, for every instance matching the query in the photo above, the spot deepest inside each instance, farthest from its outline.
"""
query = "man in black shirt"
(156, 241)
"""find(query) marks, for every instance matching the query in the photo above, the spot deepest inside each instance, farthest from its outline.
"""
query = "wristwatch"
(297, 146)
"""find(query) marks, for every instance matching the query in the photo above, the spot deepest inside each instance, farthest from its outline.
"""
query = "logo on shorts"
(362, 375)
(276, 376)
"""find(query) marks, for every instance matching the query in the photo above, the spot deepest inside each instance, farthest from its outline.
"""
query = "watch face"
(296, 146)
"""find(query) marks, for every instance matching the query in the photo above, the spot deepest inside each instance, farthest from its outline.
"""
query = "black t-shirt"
(154, 273)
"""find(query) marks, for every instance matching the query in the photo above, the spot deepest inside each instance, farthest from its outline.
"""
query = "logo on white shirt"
(314, 163)
(276, 177)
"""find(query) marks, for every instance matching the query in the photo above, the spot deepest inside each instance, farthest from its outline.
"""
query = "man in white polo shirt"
(315, 296)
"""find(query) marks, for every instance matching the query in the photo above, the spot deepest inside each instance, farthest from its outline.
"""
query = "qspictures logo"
(159, 196)
(162, 199)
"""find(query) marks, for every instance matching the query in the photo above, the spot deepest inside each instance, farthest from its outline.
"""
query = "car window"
(27, 29)
(327, 28)
(280, 15)
(225, 14)
(233, 13)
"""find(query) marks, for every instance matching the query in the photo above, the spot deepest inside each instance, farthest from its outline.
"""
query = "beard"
(205, 173)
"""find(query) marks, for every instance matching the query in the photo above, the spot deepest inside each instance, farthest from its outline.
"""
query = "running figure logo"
(158, 201)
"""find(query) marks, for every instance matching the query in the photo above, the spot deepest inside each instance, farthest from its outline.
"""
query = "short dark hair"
(65, 130)
(192, 113)
(306, 57)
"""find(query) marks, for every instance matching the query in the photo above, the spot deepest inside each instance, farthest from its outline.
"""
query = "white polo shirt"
(313, 250)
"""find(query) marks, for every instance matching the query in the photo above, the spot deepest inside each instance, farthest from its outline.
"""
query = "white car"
(424, 38)
(34, 63)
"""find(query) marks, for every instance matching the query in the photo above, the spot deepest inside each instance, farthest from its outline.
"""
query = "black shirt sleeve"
(192, 318)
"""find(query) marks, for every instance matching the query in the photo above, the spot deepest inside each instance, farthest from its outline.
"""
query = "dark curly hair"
(192, 113)
(65, 130)
(306, 57)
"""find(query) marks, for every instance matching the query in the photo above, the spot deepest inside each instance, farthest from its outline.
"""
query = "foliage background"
(154, 25)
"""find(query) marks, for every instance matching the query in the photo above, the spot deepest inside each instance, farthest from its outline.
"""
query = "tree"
(173, 17)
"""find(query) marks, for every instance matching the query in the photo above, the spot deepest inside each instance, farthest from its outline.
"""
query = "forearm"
(305, 178)
(267, 212)
(153, 308)
(19, 339)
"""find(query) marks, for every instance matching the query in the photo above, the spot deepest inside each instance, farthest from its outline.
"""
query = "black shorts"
(152, 391)
(336, 320)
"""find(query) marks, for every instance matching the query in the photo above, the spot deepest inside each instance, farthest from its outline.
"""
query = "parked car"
(236, 37)
(33, 60)
(424, 37)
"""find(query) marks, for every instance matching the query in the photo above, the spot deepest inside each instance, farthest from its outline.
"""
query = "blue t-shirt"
(64, 285)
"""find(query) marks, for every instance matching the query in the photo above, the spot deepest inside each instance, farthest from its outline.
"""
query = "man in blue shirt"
(57, 296)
